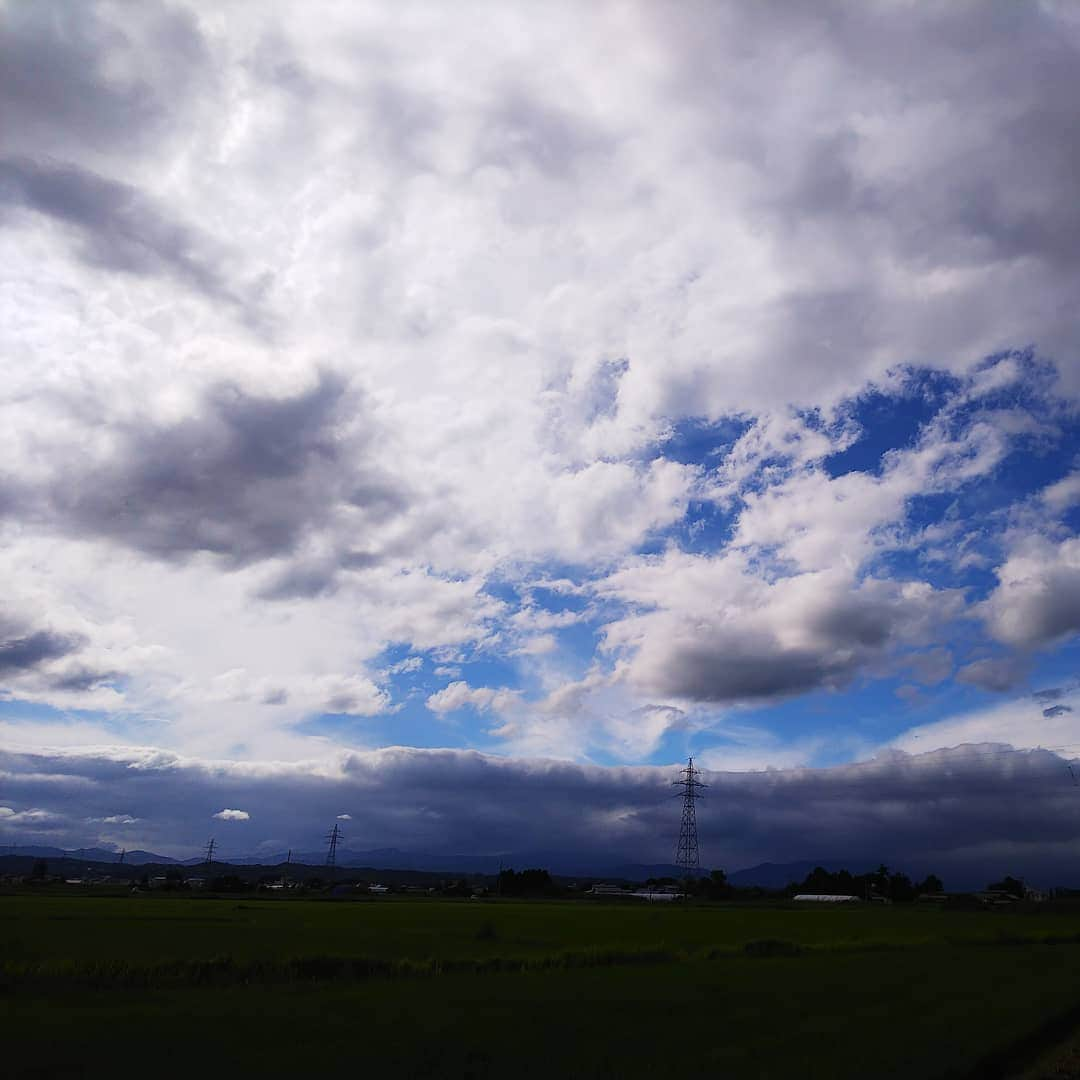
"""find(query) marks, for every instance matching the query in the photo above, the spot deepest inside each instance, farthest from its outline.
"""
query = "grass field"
(460, 988)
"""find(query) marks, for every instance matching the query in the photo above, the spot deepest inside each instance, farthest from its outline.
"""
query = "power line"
(686, 854)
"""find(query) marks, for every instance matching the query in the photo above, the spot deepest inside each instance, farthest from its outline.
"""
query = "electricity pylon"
(332, 838)
(686, 854)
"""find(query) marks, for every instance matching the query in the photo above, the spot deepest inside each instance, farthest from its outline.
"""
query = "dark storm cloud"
(1040, 608)
(247, 477)
(1056, 710)
(69, 76)
(82, 679)
(928, 812)
(842, 632)
(732, 670)
(22, 653)
(119, 228)
(1053, 611)
(1051, 694)
(997, 674)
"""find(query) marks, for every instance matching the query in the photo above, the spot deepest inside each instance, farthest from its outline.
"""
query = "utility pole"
(122, 854)
(332, 838)
(209, 854)
(686, 854)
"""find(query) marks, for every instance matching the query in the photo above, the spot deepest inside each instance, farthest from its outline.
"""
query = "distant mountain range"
(562, 864)
(90, 854)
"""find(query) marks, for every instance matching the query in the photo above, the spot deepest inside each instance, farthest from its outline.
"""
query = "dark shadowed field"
(100, 985)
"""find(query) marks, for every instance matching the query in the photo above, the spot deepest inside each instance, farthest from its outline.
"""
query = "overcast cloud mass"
(500, 404)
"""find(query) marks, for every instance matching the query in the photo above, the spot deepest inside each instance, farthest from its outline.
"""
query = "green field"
(460, 988)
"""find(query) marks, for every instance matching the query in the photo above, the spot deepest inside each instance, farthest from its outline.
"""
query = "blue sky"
(369, 387)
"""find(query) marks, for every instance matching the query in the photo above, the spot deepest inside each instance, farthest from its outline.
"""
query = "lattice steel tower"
(686, 855)
(332, 838)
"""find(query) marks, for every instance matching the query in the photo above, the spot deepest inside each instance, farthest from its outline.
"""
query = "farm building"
(825, 898)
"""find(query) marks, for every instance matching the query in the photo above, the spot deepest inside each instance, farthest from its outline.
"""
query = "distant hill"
(560, 863)
(101, 855)
(767, 875)
(776, 875)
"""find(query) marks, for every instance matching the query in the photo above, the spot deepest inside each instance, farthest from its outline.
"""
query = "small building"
(996, 898)
(608, 890)
(824, 898)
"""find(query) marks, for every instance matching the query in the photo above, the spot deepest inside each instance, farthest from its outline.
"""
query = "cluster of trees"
(1012, 886)
(892, 885)
(526, 883)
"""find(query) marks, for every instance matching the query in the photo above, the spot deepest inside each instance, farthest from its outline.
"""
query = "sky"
(449, 418)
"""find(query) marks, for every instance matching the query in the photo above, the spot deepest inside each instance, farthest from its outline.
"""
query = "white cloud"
(33, 816)
(232, 815)
(322, 325)
(1021, 723)
(410, 663)
(1063, 494)
(459, 695)
(1037, 600)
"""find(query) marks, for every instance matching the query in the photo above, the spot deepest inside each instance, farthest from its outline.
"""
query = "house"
(825, 898)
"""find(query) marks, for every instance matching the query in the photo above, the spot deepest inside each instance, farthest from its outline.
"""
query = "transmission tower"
(122, 854)
(332, 838)
(686, 855)
(209, 853)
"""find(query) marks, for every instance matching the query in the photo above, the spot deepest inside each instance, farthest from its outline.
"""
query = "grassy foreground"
(434, 988)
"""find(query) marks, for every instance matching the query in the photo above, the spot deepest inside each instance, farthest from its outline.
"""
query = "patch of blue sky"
(604, 388)
(411, 725)
(17, 709)
(943, 566)
(504, 589)
(1071, 519)
(705, 529)
(699, 441)
(556, 600)
(890, 421)
(578, 643)
(1057, 667)
(1032, 465)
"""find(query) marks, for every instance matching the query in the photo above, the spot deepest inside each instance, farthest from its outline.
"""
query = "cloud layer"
(597, 383)
(957, 810)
